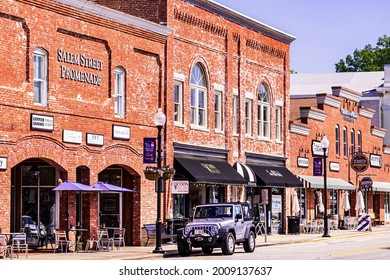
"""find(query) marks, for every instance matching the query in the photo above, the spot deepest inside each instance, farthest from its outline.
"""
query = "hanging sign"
(303, 162)
(366, 183)
(316, 148)
(317, 166)
(359, 163)
(334, 166)
(180, 187)
(149, 150)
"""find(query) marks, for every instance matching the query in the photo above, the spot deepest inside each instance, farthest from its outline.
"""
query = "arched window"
(337, 132)
(352, 141)
(40, 77)
(198, 97)
(263, 112)
(345, 143)
(359, 141)
(119, 94)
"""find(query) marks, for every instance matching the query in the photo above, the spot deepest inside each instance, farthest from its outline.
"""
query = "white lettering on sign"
(376, 160)
(334, 166)
(41, 122)
(274, 173)
(303, 162)
(95, 139)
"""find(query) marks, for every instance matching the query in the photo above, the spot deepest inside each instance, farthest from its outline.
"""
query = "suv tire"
(250, 243)
(184, 248)
(207, 250)
(228, 244)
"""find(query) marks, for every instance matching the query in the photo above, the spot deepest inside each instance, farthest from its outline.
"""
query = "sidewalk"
(146, 253)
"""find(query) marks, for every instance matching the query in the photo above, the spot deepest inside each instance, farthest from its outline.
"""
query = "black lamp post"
(35, 172)
(159, 120)
(325, 145)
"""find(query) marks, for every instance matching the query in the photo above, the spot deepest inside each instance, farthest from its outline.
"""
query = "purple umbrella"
(105, 187)
(73, 186)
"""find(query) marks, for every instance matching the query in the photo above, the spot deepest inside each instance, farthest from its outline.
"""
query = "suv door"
(240, 225)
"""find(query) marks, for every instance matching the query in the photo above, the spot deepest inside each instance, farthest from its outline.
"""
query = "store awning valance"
(381, 186)
(275, 176)
(317, 182)
(207, 170)
(246, 172)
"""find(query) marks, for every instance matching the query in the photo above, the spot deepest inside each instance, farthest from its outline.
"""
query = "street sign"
(366, 183)
(359, 163)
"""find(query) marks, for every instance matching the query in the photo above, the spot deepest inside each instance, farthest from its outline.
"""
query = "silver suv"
(218, 225)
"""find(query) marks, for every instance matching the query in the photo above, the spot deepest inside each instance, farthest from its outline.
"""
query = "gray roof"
(308, 85)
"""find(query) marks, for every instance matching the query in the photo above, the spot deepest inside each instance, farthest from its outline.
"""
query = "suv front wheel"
(184, 248)
(250, 243)
(228, 244)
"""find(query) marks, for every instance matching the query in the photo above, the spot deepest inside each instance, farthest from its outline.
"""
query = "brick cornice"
(299, 128)
(379, 132)
(312, 113)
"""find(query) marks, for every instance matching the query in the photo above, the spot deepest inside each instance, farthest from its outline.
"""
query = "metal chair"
(119, 237)
(5, 249)
(104, 240)
(18, 244)
(61, 241)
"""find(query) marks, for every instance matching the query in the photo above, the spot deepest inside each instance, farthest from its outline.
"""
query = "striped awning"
(246, 172)
(317, 182)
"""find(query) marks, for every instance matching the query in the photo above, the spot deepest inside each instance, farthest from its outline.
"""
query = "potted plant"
(168, 172)
(152, 173)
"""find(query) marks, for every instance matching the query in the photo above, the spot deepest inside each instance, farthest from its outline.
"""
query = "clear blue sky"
(325, 30)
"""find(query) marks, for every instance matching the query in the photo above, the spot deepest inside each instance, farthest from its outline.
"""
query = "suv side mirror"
(238, 217)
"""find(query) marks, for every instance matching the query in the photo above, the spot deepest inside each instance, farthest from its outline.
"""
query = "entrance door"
(110, 210)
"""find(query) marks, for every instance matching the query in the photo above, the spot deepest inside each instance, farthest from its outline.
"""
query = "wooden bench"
(151, 233)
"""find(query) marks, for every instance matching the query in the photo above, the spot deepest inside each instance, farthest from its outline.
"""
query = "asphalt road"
(369, 247)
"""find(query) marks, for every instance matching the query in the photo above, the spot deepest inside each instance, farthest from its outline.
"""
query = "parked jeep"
(222, 225)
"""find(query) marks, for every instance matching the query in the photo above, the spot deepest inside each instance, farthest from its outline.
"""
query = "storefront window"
(179, 206)
(387, 206)
(333, 202)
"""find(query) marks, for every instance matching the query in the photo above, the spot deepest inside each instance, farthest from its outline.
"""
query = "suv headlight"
(215, 229)
(187, 230)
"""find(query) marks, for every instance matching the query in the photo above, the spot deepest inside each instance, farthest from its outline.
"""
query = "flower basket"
(152, 175)
(167, 175)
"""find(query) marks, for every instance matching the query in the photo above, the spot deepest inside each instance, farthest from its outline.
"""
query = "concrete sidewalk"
(146, 253)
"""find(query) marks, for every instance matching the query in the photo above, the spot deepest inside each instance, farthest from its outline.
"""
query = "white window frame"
(218, 111)
(278, 123)
(352, 141)
(119, 92)
(263, 104)
(235, 114)
(199, 114)
(345, 141)
(337, 142)
(178, 102)
(248, 117)
(359, 141)
(40, 77)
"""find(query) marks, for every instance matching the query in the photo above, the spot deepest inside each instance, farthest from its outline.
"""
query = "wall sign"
(316, 148)
(41, 122)
(303, 162)
(120, 132)
(276, 203)
(180, 187)
(317, 166)
(359, 163)
(71, 136)
(3, 163)
(149, 150)
(334, 166)
(95, 139)
(375, 160)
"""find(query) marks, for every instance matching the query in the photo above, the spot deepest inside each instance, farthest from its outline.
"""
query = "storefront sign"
(149, 150)
(334, 166)
(348, 115)
(95, 139)
(303, 162)
(375, 160)
(211, 168)
(317, 149)
(42, 122)
(317, 166)
(180, 187)
(71, 136)
(120, 132)
(276, 203)
(366, 183)
(359, 163)
(3, 163)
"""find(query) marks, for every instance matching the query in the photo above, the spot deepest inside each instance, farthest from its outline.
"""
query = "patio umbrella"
(321, 207)
(346, 205)
(295, 204)
(102, 186)
(73, 186)
(360, 202)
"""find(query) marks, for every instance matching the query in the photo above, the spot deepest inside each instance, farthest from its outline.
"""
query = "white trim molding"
(379, 132)
(312, 113)
(347, 93)
(366, 112)
(329, 100)
(179, 77)
(299, 128)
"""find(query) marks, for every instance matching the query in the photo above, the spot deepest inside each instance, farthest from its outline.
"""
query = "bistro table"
(78, 232)
(9, 235)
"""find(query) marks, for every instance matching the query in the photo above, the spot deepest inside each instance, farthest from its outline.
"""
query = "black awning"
(275, 176)
(207, 170)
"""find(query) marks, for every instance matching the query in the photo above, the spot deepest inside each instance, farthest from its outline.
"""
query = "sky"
(325, 30)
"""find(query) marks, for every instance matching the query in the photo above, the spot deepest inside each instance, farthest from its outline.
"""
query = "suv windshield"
(220, 211)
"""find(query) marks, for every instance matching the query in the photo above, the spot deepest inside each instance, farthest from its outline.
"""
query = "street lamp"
(159, 120)
(325, 145)
(35, 172)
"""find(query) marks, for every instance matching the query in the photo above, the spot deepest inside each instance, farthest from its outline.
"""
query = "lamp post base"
(158, 250)
(326, 234)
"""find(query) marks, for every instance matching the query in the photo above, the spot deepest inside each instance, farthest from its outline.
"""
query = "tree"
(368, 59)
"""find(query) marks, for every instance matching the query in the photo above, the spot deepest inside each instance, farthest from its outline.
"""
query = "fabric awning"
(381, 186)
(317, 182)
(246, 172)
(275, 176)
(207, 170)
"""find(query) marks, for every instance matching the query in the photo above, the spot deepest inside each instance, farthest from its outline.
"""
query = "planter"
(152, 175)
(167, 175)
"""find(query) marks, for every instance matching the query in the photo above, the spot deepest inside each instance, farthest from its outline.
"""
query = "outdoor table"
(8, 235)
(78, 232)
(111, 230)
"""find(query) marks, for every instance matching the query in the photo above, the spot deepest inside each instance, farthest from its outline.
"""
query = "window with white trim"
(235, 114)
(352, 142)
(345, 134)
(278, 123)
(337, 143)
(198, 97)
(263, 112)
(218, 110)
(248, 117)
(178, 102)
(40, 77)
(359, 141)
(119, 95)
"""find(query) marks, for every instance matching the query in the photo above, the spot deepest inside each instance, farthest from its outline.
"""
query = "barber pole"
(363, 223)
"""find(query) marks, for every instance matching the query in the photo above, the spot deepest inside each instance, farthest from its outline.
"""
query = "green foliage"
(368, 59)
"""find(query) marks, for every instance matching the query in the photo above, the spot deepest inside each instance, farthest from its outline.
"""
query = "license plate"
(199, 231)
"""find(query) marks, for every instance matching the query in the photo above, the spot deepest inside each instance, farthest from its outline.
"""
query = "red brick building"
(352, 138)
(89, 79)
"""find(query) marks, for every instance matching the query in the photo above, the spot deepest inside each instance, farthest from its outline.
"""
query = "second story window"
(359, 141)
(235, 114)
(119, 92)
(278, 123)
(352, 142)
(178, 102)
(337, 137)
(218, 110)
(198, 97)
(263, 112)
(345, 143)
(40, 77)
(248, 117)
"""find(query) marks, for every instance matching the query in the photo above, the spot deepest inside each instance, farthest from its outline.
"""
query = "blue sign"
(149, 150)
(317, 166)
